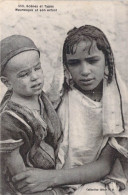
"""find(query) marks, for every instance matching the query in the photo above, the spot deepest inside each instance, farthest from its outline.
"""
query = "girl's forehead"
(87, 46)
(84, 47)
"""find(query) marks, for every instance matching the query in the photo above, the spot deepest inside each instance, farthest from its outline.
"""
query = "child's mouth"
(36, 86)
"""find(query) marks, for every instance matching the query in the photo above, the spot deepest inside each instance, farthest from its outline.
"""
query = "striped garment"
(37, 135)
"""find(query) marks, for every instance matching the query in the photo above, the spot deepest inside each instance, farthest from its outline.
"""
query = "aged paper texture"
(47, 24)
(48, 28)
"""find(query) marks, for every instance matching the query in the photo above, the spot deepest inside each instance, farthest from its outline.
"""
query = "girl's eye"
(74, 63)
(92, 61)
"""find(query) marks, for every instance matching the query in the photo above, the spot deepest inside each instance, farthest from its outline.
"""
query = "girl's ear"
(68, 77)
(6, 82)
(106, 72)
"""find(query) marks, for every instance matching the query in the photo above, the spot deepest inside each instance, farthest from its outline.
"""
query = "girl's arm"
(90, 172)
(38, 180)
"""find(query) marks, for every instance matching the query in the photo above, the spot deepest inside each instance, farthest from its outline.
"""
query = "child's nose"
(85, 68)
(34, 75)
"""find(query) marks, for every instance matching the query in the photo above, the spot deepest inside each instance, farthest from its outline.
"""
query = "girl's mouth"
(86, 81)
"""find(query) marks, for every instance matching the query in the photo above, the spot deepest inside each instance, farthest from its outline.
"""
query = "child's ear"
(6, 82)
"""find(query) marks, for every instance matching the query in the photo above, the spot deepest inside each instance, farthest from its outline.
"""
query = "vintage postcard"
(63, 93)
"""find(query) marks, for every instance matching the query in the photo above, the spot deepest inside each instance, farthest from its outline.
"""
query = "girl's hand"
(113, 187)
(34, 180)
(47, 192)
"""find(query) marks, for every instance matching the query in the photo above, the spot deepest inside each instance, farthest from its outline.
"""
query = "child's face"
(86, 68)
(24, 74)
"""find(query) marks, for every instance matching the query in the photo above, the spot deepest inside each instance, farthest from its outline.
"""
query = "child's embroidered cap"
(13, 45)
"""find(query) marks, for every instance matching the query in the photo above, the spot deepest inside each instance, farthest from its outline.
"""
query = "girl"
(93, 124)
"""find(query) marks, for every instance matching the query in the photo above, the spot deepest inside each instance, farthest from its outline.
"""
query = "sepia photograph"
(64, 97)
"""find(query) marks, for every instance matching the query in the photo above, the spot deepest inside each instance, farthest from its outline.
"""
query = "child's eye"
(23, 75)
(38, 68)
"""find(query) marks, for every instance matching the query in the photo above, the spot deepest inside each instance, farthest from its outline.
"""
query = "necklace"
(94, 94)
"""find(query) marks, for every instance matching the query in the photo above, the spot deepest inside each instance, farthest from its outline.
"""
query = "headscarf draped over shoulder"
(115, 113)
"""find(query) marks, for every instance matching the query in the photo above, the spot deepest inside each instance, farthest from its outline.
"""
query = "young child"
(30, 128)
(93, 112)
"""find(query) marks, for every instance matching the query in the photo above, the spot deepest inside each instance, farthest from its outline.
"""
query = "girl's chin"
(87, 88)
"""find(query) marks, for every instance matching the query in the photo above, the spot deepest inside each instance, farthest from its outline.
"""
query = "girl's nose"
(34, 75)
(85, 68)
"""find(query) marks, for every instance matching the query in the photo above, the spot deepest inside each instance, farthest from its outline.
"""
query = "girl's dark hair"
(91, 33)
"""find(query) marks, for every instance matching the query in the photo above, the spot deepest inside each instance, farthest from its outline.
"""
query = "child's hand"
(34, 180)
